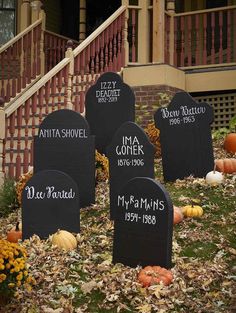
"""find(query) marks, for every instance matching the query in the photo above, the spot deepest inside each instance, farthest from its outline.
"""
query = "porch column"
(158, 31)
(2, 138)
(25, 15)
(36, 7)
(143, 33)
(171, 11)
(82, 20)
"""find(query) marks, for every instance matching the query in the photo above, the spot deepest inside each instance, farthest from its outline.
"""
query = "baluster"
(47, 97)
(18, 147)
(77, 66)
(182, 51)
(97, 48)
(26, 149)
(40, 104)
(19, 58)
(92, 52)
(11, 132)
(189, 29)
(106, 50)
(167, 39)
(197, 51)
(221, 36)
(175, 42)
(119, 43)
(66, 89)
(34, 52)
(133, 43)
(212, 37)
(56, 84)
(123, 38)
(38, 54)
(33, 112)
(29, 54)
(54, 51)
(82, 64)
(110, 30)
(9, 73)
(204, 38)
(24, 61)
(14, 71)
(2, 57)
(115, 31)
(228, 36)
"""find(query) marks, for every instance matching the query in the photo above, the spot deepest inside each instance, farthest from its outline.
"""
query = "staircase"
(28, 96)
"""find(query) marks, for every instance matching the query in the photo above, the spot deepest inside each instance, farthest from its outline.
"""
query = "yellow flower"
(3, 277)
(11, 285)
(2, 267)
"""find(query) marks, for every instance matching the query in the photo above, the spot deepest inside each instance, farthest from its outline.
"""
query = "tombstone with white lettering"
(109, 103)
(131, 154)
(50, 201)
(143, 225)
(185, 136)
(64, 143)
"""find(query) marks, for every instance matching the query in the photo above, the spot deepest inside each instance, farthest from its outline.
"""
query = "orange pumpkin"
(152, 275)
(230, 143)
(226, 165)
(14, 234)
(178, 215)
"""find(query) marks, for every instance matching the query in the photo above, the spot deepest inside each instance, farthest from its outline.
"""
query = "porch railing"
(55, 48)
(202, 37)
(20, 61)
(63, 86)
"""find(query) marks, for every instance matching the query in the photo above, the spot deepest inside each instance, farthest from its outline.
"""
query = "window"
(7, 20)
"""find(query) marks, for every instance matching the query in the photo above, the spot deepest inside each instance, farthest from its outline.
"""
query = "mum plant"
(13, 269)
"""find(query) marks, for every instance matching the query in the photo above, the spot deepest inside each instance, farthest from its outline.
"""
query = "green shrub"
(8, 198)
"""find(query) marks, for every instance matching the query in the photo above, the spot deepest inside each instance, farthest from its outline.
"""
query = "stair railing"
(21, 61)
(64, 86)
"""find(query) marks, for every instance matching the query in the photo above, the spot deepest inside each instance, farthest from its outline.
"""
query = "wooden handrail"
(98, 31)
(230, 7)
(20, 35)
(60, 36)
(9, 109)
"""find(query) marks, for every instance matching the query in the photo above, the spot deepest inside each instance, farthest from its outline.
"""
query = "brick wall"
(148, 99)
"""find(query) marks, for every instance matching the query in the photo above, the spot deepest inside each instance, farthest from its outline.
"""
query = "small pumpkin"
(214, 177)
(178, 215)
(15, 233)
(64, 240)
(152, 275)
(227, 166)
(192, 210)
(230, 143)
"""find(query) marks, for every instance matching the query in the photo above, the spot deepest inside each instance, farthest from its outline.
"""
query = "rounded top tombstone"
(65, 119)
(109, 103)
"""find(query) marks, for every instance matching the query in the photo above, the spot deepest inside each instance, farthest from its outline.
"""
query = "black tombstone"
(143, 224)
(64, 143)
(131, 154)
(50, 201)
(185, 136)
(109, 103)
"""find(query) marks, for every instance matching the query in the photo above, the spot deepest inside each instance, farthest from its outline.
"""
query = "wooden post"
(36, 8)
(42, 15)
(82, 20)
(25, 15)
(143, 33)
(126, 44)
(158, 31)
(171, 10)
(70, 55)
(2, 138)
